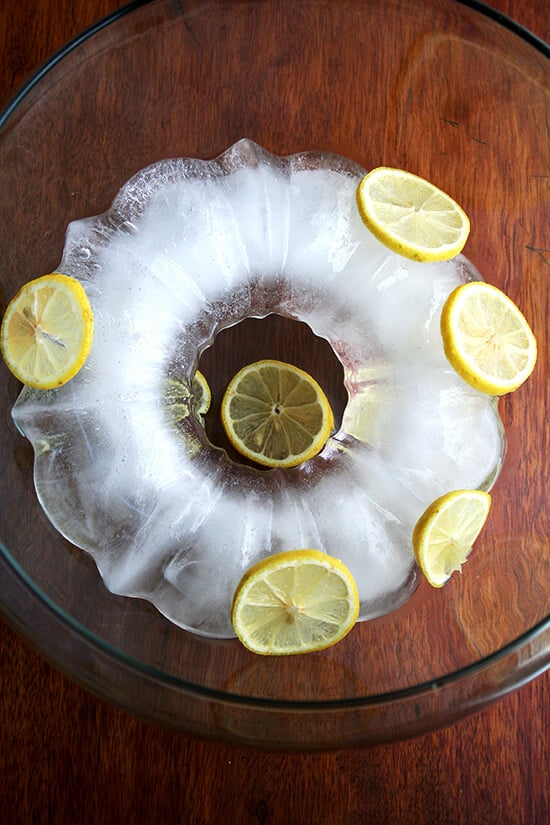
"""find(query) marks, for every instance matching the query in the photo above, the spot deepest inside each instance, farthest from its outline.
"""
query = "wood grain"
(67, 757)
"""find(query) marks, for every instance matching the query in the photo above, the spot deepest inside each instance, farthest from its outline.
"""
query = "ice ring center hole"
(272, 337)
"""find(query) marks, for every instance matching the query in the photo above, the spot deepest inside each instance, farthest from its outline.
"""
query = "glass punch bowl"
(445, 89)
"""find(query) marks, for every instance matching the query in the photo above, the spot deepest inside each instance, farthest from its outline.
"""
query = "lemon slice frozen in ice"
(293, 602)
(487, 339)
(444, 534)
(47, 331)
(411, 216)
(201, 394)
(276, 414)
(177, 397)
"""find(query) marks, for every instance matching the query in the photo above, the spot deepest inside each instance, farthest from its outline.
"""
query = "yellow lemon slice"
(201, 394)
(47, 331)
(411, 216)
(177, 397)
(444, 534)
(486, 338)
(276, 414)
(297, 601)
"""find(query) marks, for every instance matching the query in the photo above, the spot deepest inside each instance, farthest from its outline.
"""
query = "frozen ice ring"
(190, 247)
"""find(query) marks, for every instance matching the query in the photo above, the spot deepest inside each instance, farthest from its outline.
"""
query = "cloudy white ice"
(188, 248)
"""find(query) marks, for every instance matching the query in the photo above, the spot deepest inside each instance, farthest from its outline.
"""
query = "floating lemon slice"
(201, 394)
(276, 414)
(298, 601)
(445, 532)
(411, 216)
(486, 338)
(47, 331)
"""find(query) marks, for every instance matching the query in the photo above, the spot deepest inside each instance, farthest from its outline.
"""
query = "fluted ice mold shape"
(190, 247)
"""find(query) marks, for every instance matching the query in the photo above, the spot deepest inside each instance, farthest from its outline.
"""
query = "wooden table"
(66, 757)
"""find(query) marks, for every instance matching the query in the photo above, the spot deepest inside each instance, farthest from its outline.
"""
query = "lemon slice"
(444, 534)
(177, 397)
(47, 331)
(276, 414)
(297, 601)
(411, 216)
(486, 338)
(201, 394)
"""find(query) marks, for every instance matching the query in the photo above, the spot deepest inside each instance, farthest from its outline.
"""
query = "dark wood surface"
(66, 757)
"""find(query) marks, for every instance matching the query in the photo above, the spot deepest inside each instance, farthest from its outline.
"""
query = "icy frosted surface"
(188, 248)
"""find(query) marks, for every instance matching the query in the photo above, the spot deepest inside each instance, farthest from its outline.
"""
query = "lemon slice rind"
(201, 393)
